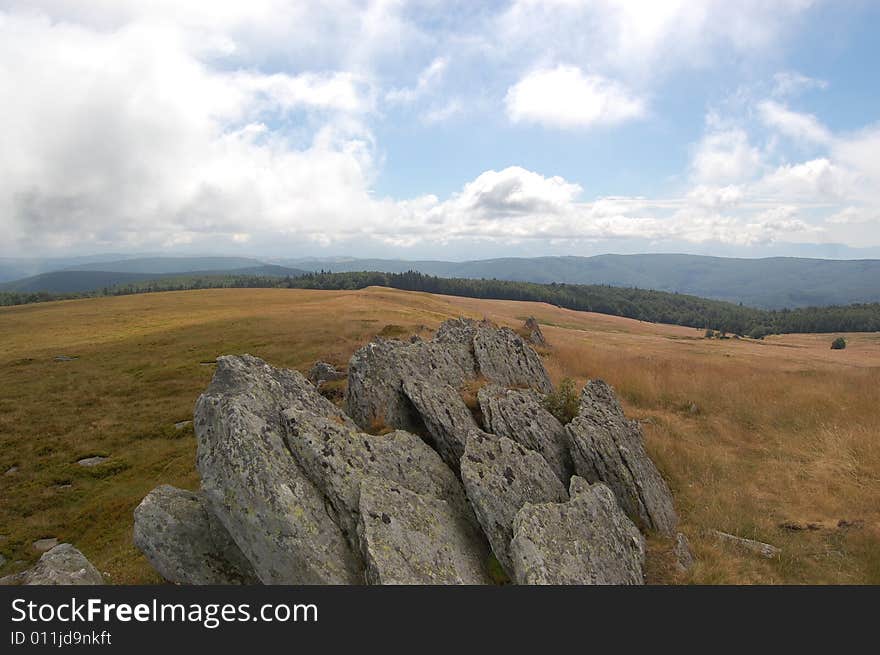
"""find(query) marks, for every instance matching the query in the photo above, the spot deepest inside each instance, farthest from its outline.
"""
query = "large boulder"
(185, 542)
(500, 476)
(253, 485)
(519, 415)
(61, 565)
(505, 358)
(606, 447)
(588, 540)
(336, 459)
(445, 416)
(410, 538)
(377, 371)
(461, 350)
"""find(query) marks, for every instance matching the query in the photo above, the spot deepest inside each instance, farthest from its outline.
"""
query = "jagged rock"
(758, 547)
(606, 447)
(376, 373)
(444, 415)
(336, 459)
(461, 350)
(588, 540)
(323, 372)
(409, 538)
(504, 358)
(62, 565)
(500, 476)
(253, 485)
(185, 543)
(684, 558)
(519, 415)
(534, 331)
(44, 545)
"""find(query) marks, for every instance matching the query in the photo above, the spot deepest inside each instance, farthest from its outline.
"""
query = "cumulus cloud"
(725, 156)
(790, 83)
(801, 127)
(565, 97)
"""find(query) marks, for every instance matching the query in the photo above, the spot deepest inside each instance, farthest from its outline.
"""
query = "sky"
(439, 129)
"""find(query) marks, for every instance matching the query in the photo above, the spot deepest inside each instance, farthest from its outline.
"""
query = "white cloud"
(817, 178)
(429, 77)
(801, 127)
(725, 156)
(565, 97)
(790, 83)
(646, 38)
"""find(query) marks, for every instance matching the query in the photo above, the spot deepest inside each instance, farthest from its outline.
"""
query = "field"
(775, 440)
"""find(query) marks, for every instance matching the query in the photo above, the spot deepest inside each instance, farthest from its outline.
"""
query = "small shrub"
(563, 403)
(710, 334)
(838, 344)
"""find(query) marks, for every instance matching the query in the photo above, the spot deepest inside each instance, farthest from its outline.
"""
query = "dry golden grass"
(749, 434)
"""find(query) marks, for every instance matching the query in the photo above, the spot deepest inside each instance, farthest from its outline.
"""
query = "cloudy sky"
(437, 128)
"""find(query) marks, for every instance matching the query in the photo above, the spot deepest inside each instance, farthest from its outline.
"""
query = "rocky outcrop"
(767, 551)
(446, 418)
(337, 459)
(274, 513)
(322, 372)
(62, 565)
(519, 415)
(533, 330)
(606, 447)
(586, 541)
(410, 538)
(500, 476)
(293, 491)
(185, 542)
(461, 350)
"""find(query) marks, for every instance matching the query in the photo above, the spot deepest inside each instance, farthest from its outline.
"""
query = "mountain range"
(769, 283)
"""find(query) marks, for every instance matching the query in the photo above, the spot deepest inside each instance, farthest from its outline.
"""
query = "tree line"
(640, 304)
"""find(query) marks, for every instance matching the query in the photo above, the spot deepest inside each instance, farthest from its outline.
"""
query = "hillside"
(770, 283)
(85, 281)
(773, 440)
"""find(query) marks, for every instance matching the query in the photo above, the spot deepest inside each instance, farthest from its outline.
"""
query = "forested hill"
(653, 306)
(769, 283)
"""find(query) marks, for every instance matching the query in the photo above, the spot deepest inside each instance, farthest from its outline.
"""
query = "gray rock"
(64, 358)
(44, 545)
(444, 415)
(12, 470)
(409, 538)
(500, 476)
(505, 358)
(535, 337)
(2, 561)
(684, 558)
(89, 462)
(588, 540)
(252, 484)
(336, 459)
(181, 424)
(519, 415)
(185, 543)
(461, 350)
(62, 565)
(323, 372)
(767, 551)
(376, 373)
(606, 447)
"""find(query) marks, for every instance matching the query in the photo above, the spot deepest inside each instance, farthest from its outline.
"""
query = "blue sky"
(439, 129)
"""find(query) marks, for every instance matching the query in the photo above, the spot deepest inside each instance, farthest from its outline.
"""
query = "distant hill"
(771, 283)
(77, 281)
(170, 265)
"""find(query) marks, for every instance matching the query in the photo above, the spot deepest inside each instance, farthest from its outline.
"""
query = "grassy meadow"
(775, 440)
